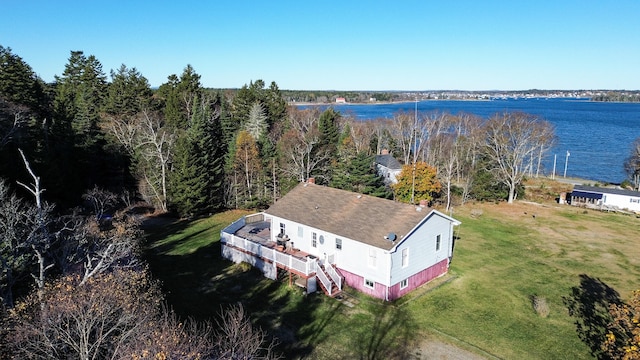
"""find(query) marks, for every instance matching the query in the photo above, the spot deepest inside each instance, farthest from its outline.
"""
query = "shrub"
(476, 213)
(540, 306)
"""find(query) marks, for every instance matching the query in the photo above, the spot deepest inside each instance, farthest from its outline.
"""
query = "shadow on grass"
(589, 305)
(389, 334)
(313, 318)
(199, 283)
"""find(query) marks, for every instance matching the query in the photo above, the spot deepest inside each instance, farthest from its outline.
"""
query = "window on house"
(438, 240)
(314, 239)
(321, 239)
(281, 229)
(404, 283)
(369, 283)
(405, 257)
(338, 244)
(300, 231)
(372, 258)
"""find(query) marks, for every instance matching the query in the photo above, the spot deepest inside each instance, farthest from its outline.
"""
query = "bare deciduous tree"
(237, 338)
(361, 132)
(301, 157)
(511, 139)
(470, 140)
(169, 337)
(106, 246)
(10, 126)
(39, 238)
(101, 200)
(404, 127)
(15, 218)
(150, 143)
(93, 321)
(632, 164)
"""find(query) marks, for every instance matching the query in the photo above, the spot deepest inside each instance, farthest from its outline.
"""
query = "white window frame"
(404, 283)
(366, 284)
(438, 242)
(338, 244)
(405, 257)
(314, 240)
(282, 229)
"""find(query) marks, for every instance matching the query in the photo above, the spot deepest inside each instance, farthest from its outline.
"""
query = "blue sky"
(348, 45)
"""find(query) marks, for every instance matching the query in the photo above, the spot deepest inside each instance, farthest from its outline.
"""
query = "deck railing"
(304, 266)
(333, 273)
(228, 232)
(254, 218)
(325, 281)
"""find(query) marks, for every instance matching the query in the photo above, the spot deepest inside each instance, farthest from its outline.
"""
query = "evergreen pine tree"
(196, 182)
(329, 131)
(358, 174)
(24, 109)
(79, 154)
(128, 93)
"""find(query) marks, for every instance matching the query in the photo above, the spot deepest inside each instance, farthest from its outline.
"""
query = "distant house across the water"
(341, 100)
(388, 167)
(605, 198)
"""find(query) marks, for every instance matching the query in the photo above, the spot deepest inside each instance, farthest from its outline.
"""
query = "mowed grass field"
(504, 255)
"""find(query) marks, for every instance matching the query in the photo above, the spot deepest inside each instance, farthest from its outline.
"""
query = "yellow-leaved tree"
(623, 338)
(417, 182)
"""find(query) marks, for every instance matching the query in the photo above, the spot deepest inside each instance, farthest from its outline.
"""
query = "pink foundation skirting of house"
(394, 292)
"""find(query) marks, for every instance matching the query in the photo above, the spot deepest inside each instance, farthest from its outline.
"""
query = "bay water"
(596, 135)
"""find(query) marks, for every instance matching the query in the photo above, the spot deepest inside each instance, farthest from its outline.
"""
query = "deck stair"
(334, 288)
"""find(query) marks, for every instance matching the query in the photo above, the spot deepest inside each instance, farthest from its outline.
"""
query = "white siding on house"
(355, 257)
(390, 176)
(422, 248)
(622, 201)
(325, 242)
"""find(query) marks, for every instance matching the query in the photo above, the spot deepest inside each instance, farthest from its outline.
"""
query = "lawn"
(503, 257)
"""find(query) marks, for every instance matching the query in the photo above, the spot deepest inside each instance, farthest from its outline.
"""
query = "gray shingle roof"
(388, 161)
(359, 217)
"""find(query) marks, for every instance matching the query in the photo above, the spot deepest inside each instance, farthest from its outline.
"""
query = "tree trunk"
(512, 192)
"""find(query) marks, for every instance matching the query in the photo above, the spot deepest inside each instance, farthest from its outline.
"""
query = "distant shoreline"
(295, 103)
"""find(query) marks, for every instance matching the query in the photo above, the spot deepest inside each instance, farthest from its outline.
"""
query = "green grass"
(499, 263)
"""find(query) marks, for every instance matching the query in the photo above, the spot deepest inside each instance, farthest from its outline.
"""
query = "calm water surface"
(597, 135)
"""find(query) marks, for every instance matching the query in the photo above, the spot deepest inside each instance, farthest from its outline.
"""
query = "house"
(388, 167)
(329, 238)
(341, 100)
(605, 198)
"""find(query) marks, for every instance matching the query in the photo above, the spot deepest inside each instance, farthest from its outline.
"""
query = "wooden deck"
(260, 232)
(252, 236)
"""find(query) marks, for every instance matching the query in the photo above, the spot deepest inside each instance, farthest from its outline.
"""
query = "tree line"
(617, 96)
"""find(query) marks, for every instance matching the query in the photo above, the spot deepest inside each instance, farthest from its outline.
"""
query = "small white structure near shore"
(605, 198)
